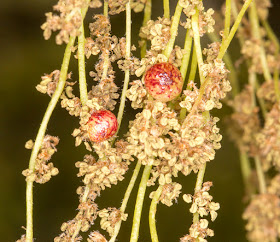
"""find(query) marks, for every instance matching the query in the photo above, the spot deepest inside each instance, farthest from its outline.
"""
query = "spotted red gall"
(102, 125)
(163, 81)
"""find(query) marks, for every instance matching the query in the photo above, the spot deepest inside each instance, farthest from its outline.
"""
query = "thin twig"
(173, 30)
(197, 44)
(187, 54)
(147, 17)
(198, 185)
(261, 178)
(227, 19)
(139, 204)
(152, 214)
(166, 9)
(126, 73)
(221, 54)
(82, 67)
(183, 111)
(125, 199)
(233, 30)
(41, 134)
(229, 64)
(271, 35)
(254, 20)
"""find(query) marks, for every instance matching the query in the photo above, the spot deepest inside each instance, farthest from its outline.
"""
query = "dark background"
(25, 56)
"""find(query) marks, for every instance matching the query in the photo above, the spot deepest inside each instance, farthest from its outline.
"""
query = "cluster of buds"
(198, 232)
(44, 170)
(268, 139)
(206, 20)
(202, 202)
(263, 218)
(170, 193)
(109, 218)
(158, 32)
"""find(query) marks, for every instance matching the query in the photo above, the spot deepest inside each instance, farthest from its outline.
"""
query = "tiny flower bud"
(29, 144)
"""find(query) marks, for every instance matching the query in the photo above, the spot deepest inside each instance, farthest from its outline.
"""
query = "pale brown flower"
(44, 169)
(263, 218)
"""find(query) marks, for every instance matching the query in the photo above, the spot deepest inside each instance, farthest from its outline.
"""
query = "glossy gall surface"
(163, 81)
(102, 125)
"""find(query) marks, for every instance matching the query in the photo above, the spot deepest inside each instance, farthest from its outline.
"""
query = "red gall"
(102, 125)
(164, 81)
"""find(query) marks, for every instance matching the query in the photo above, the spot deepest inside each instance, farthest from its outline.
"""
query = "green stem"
(241, 40)
(105, 8)
(173, 30)
(42, 130)
(254, 20)
(82, 68)
(106, 61)
(261, 101)
(166, 9)
(125, 199)
(187, 54)
(152, 214)
(198, 186)
(252, 81)
(126, 73)
(183, 111)
(79, 223)
(246, 170)
(222, 52)
(227, 19)
(147, 17)
(41, 134)
(274, 39)
(233, 30)
(260, 173)
(197, 45)
(139, 204)
(271, 35)
(232, 71)
(276, 84)
(104, 75)
(256, 84)
(193, 67)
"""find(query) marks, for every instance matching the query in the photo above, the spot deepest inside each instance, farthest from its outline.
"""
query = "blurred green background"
(25, 57)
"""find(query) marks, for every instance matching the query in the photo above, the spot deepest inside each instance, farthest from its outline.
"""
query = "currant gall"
(164, 82)
(102, 125)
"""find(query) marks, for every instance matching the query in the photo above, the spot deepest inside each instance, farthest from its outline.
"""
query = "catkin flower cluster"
(170, 193)
(263, 218)
(206, 21)
(98, 174)
(158, 32)
(44, 169)
(217, 87)
(198, 232)
(109, 218)
(68, 20)
(117, 6)
(202, 205)
(202, 202)
(244, 122)
(268, 139)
